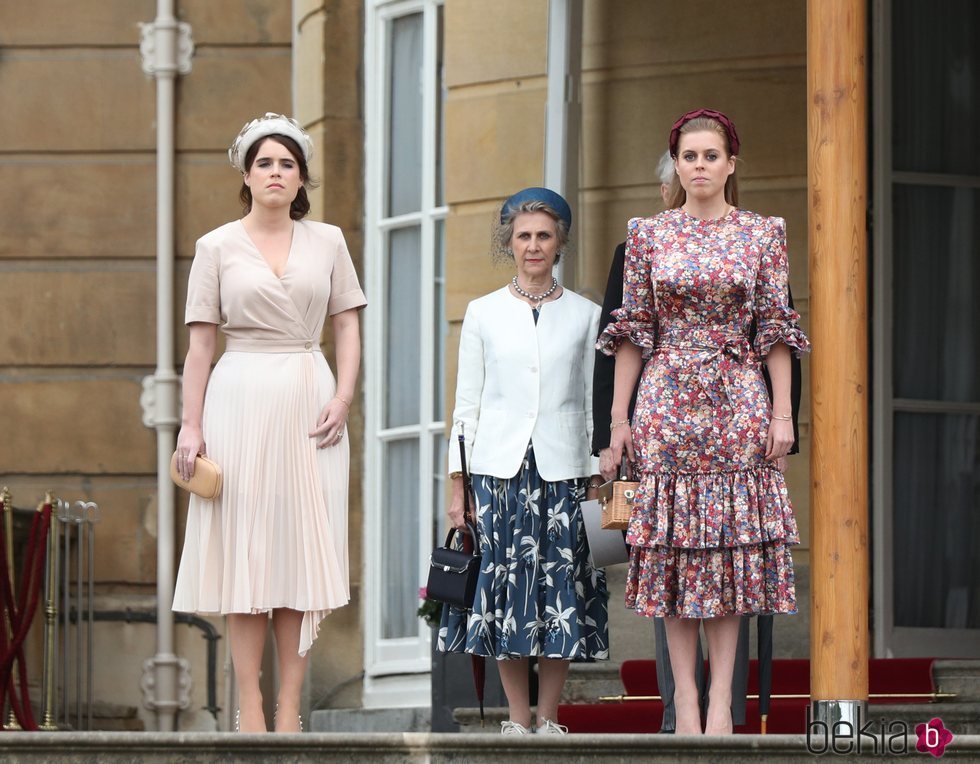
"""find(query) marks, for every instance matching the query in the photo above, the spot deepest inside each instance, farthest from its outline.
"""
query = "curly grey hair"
(504, 232)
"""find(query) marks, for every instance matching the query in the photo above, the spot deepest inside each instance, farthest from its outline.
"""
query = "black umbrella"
(765, 668)
(479, 663)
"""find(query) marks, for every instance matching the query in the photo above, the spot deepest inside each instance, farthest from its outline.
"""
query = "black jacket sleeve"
(605, 365)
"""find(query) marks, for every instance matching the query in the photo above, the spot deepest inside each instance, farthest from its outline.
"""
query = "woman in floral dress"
(524, 407)
(712, 524)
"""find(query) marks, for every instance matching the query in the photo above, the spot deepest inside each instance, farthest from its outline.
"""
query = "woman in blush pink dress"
(272, 415)
(712, 524)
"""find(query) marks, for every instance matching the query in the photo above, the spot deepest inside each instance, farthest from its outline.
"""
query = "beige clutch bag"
(206, 481)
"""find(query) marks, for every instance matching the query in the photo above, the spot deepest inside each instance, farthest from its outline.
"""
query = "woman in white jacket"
(524, 404)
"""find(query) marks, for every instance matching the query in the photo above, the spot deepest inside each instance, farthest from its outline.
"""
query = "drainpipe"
(166, 48)
(563, 112)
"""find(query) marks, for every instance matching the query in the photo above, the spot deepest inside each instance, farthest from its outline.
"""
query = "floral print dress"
(712, 524)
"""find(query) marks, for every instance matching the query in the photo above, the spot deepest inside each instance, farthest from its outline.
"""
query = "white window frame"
(397, 670)
(890, 640)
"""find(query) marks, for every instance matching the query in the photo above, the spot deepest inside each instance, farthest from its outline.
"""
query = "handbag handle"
(472, 530)
(624, 468)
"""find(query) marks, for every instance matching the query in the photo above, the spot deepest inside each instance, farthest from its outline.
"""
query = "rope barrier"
(16, 618)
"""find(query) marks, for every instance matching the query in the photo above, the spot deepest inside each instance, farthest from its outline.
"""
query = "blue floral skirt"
(537, 593)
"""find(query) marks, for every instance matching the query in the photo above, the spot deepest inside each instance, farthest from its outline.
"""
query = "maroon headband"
(726, 123)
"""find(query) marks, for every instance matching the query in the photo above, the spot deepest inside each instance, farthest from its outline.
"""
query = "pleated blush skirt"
(276, 537)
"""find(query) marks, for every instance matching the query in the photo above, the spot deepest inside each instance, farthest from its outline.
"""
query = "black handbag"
(453, 573)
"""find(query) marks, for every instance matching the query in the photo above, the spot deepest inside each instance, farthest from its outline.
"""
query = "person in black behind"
(602, 395)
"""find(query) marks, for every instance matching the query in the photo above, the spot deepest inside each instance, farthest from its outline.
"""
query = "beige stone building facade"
(425, 115)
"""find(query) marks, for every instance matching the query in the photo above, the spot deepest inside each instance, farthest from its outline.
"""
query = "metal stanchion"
(79, 558)
(50, 670)
(64, 515)
(8, 522)
(92, 518)
(84, 514)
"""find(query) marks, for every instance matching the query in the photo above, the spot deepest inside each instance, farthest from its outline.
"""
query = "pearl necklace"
(536, 298)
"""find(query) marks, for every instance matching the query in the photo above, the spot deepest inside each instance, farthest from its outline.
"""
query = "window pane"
(440, 116)
(935, 92)
(405, 116)
(403, 328)
(936, 279)
(399, 536)
(439, 480)
(937, 521)
(441, 327)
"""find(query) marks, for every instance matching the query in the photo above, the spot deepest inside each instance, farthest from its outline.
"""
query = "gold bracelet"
(614, 425)
(342, 399)
(594, 486)
(455, 474)
(787, 418)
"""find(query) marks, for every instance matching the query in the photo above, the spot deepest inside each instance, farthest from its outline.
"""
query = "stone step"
(423, 748)
(960, 677)
(418, 719)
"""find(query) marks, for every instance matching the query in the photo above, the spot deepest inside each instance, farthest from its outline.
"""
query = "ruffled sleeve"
(776, 321)
(636, 319)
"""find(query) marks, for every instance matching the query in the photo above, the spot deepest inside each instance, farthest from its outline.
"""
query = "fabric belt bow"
(717, 366)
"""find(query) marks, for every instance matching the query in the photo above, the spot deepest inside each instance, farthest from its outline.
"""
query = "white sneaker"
(548, 727)
(513, 728)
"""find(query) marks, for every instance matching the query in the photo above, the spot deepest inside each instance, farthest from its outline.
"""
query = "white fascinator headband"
(270, 124)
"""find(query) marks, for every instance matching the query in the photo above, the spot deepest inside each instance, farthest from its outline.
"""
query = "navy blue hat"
(537, 194)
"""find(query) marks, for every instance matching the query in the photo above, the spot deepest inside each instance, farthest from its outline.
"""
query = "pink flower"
(423, 594)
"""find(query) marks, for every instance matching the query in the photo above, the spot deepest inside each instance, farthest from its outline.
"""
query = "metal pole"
(8, 522)
(166, 48)
(48, 713)
(89, 625)
(78, 616)
(564, 105)
(65, 615)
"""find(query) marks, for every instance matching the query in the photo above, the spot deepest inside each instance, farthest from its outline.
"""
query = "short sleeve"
(775, 319)
(635, 319)
(203, 286)
(345, 289)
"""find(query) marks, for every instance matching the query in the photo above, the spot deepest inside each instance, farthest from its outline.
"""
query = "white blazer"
(519, 382)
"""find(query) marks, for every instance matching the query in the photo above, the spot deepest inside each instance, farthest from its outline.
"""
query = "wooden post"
(837, 184)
